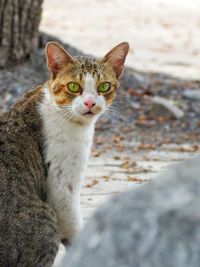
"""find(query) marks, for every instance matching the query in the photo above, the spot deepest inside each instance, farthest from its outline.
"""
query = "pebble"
(164, 107)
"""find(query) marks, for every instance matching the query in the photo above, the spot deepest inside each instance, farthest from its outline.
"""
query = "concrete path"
(108, 175)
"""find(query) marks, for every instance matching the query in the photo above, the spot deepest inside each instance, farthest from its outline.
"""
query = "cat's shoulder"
(30, 99)
(23, 115)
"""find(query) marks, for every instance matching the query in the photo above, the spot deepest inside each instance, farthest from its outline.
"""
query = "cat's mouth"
(88, 113)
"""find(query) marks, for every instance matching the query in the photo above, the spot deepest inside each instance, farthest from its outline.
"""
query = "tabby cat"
(45, 141)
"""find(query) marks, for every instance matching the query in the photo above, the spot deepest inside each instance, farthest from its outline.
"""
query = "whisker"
(64, 113)
(109, 118)
(112, 116)
(115, 111)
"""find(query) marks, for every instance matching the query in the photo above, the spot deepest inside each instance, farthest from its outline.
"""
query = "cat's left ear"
(116, 57)
(56, 57)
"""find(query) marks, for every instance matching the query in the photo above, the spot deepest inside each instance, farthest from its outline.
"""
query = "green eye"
(73, 87)
(104, 87)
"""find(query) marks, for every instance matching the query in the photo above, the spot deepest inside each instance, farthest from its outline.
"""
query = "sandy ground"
(164, 35)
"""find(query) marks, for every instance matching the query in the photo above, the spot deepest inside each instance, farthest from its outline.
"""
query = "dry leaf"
(106, 178)
(136, 179)
(116, 158)
(96, 153)
(94, 182)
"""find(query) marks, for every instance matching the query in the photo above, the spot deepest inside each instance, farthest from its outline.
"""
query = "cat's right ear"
(56, 57)
(116, 57)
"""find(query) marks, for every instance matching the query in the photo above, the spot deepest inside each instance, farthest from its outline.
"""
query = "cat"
(45, 142)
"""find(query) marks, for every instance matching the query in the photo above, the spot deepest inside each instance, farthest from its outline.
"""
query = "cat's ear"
(56, 57)
(116, 57)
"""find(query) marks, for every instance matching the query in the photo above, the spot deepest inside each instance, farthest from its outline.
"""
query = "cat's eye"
(103, 87)
(73, 87)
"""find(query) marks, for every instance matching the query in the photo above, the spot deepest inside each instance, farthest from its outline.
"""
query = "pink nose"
(89, 103)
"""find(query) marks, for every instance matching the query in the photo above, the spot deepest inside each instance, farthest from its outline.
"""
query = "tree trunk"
(19, 21)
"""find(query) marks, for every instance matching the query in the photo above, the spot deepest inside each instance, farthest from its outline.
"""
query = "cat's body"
(45, 142)
(28, 231)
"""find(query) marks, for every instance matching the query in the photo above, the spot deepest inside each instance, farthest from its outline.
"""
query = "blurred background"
(164, 35)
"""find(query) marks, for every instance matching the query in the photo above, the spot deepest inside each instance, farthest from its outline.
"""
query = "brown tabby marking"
(27, 223)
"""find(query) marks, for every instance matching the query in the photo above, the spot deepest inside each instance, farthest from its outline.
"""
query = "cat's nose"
(89, 103)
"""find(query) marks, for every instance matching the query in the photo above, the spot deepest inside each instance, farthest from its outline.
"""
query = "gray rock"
(155, 225)
(164, 107)
(192, 94)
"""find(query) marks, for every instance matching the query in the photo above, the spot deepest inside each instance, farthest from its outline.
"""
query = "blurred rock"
(192, 94)
(157, 224)
(161, 106)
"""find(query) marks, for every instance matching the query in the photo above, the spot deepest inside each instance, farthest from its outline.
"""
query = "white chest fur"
(67, 148)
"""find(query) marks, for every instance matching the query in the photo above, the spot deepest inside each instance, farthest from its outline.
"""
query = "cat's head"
(82, 88)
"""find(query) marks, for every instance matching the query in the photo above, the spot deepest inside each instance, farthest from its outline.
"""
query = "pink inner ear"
(52, 64)
(56, 57)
